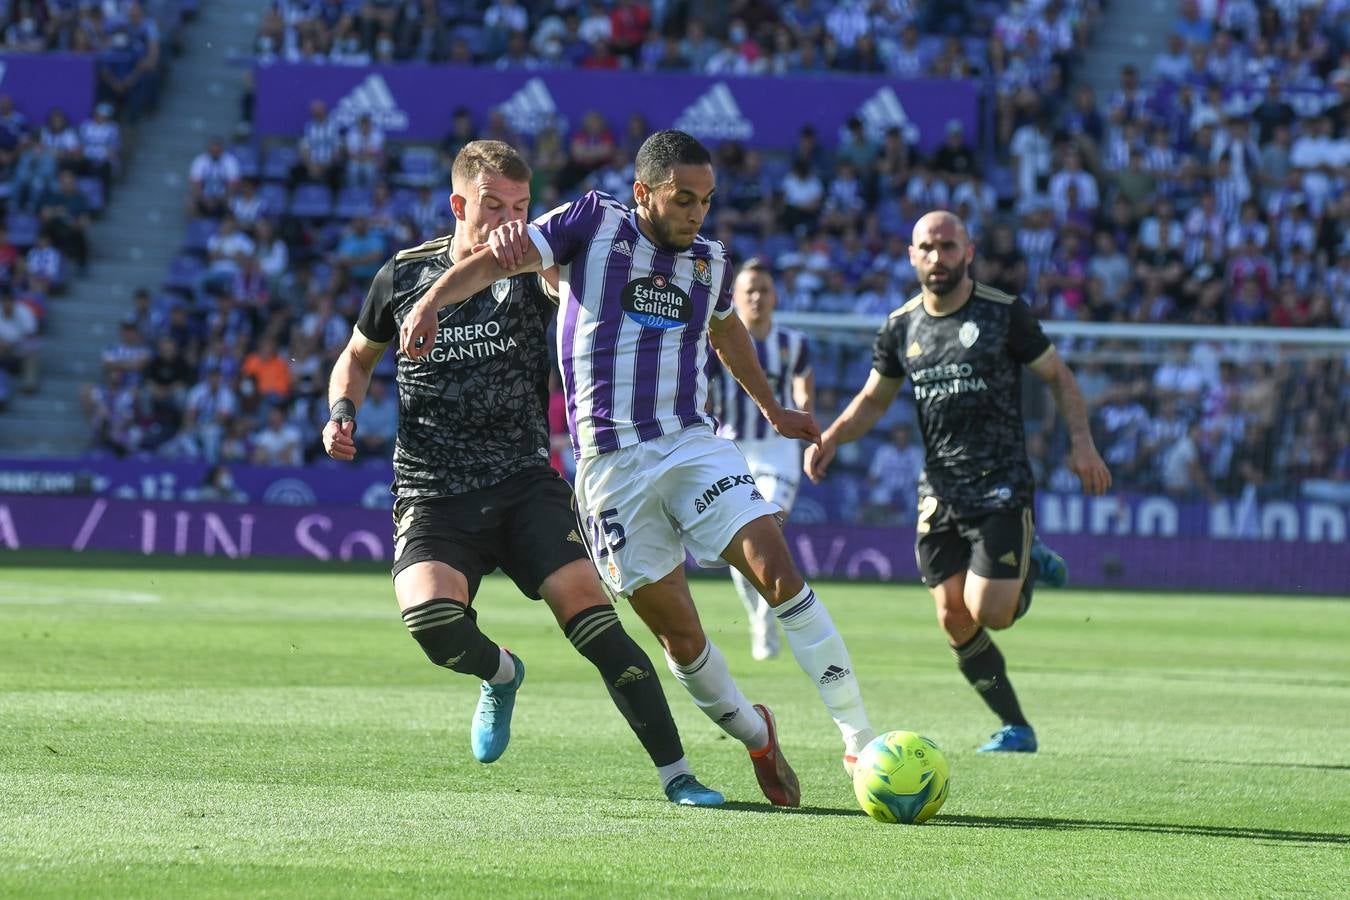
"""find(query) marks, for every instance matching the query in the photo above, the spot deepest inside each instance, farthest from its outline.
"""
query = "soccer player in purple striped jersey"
(775, 461)
(642, 296)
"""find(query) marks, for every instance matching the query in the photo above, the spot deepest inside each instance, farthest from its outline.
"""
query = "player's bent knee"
(995, 617)
(683, 645)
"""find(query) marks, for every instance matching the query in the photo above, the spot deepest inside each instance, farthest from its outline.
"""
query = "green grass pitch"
(244, 730)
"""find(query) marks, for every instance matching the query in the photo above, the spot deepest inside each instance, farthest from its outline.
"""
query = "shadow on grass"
(1240, 832)
(741, 806)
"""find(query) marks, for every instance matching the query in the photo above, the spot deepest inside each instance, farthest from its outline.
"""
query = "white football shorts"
(776, 464)
(647, 503)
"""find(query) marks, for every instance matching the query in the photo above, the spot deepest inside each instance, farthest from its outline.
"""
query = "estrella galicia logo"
(720, 487)
(656, 303)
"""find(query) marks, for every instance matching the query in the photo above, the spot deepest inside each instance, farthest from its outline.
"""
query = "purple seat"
(249, 163)
(418, 166)
(92, 188)
(199, 232)
(279, 161)
(312, 201)
(353, 202)
(402, 201)
(184, 273)
(23, 229)
(275, 198)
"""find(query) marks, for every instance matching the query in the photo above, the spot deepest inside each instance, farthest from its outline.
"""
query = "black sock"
(1024, 599)
(449, 635)
(982, 664)
(630, 679)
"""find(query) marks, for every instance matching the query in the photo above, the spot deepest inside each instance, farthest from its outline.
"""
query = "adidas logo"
(914, 350)
(1008, 559)
(984, 684)
(834, 673)
(373, 98)
(727, 717)
(573, 536)
(716, 116)
(756, 495)
(624, 247)
(884, 111)
(452, 660)
(630, 675)
(531, 109)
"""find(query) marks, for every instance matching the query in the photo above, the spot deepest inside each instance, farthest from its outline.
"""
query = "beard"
(955, 275)
(668, 240)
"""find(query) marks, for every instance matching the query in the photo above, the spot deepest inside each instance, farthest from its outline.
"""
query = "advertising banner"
(415, 102)
(865, 553)
(38, 83)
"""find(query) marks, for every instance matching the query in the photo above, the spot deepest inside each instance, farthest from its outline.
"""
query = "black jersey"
(966, 372)
(475, 410)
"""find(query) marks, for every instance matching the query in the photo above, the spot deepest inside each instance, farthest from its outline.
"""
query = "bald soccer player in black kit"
(962, 345)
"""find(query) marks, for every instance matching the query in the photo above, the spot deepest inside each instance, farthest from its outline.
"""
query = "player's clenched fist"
(417, 334)
(510, 242)
(338, 442)
(796, 423)
(817, 459)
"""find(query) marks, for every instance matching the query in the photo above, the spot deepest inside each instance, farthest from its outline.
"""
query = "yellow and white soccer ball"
(901, 777)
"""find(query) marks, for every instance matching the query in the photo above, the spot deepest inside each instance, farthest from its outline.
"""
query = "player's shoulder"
(992, 294)
(906, 308)
(424, 250)
(709, 248)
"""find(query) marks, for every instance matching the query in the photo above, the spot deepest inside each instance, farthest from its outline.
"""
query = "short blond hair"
(497, 157)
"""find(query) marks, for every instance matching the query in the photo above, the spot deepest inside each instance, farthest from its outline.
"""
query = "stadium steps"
(1129, 32)
(140, 231)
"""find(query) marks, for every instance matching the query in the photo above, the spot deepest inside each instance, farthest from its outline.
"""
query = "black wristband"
(342, 410)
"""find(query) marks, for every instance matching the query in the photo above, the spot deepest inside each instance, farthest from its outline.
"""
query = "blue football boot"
(492, 719)
(1053, 570)
(686, 791)
(1011, 739)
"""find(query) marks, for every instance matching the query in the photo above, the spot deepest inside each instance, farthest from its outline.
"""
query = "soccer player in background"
(775, 461)
(642, 296)
(474, 488)
(963, 344)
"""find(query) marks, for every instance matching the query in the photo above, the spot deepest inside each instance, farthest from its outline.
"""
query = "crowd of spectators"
(1181, 197)
(54, 177)
(124, 37)
(904, 38)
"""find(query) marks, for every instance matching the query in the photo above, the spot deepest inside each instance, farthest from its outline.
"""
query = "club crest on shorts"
(703, 272)
(501, 289)
(969, 334)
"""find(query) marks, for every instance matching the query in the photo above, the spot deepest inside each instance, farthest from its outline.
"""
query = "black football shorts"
(525, 525)
(992, 544)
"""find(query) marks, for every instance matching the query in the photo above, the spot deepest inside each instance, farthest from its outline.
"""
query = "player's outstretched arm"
(737, 352)
(417, 335)
(861, 415)
(347, 388)
(1084, 460)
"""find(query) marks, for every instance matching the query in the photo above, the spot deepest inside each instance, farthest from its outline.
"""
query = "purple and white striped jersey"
(633, 319)
(784, 355)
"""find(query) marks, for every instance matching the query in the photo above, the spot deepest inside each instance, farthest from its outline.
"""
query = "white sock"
(709, 682)
(759, 613)
(821, 653)
(506, 669)
(674, 770)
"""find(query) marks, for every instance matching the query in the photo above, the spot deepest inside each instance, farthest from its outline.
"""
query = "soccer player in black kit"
(963, 344)
(474, 491)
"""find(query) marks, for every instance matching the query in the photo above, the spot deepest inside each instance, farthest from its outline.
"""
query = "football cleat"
(686, 791)
(1054, 572)
(491, 730)
(1011, 739)
(776, 778)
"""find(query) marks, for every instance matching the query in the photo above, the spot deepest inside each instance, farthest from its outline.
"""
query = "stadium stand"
(1207, 190)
